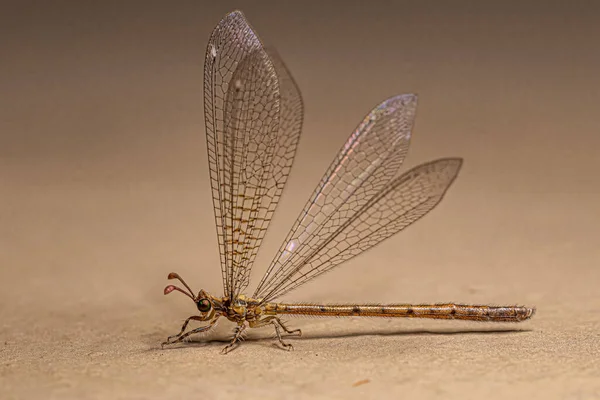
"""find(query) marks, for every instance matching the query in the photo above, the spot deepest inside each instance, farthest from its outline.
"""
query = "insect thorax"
(244, 308)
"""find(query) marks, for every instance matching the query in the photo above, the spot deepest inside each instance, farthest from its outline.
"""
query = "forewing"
(362, 169)
(405, 200)
(265, 162)
(249, 159)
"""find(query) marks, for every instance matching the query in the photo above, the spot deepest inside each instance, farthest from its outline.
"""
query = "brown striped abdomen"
(435, 311)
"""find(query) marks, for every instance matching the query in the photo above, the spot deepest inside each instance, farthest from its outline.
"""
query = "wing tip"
(234, 13)
(406, 98)
(454, 164)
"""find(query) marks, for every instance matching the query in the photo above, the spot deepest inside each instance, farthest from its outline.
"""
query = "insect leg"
(276, 322)
(288, 346)
(180, 337)
(269, 320)
(237, 337)
(293, 332)
(261, 322)
(185, 324)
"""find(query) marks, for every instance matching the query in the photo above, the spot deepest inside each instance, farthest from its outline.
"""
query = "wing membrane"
(266, 161)
(362, 169)
(405, 200)
(252, 129)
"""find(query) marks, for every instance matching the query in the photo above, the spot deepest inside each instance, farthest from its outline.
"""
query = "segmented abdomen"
(435, 311)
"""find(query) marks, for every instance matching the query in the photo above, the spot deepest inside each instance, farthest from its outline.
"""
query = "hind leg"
(287, 346)
(269, 320)
(293, 332)
(277, 324)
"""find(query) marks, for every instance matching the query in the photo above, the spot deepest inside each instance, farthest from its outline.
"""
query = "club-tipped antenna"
(170, 288)
(175, 275)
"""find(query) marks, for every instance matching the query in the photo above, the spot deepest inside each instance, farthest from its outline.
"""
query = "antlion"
(254, 113)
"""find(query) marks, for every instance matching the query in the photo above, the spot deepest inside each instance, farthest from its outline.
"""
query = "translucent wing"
(360, 173)
(263, 179)
(253, 122)
(402, 202)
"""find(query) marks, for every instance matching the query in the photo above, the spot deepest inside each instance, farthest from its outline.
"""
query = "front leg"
(180, 336)
(185, 324)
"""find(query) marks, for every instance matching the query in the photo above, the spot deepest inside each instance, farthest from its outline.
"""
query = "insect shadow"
(268, 340)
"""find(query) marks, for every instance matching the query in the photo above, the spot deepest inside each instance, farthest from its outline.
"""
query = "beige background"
(104, 190)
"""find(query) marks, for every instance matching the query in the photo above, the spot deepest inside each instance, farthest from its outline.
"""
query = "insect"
(254, 112)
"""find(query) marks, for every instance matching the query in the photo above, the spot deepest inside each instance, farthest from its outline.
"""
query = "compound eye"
(203, 305)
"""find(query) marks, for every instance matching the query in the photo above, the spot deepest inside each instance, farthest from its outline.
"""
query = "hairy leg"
(236, 338)
(277, 323)
(288, 346)
(185, 324)
(293, 332)
(269, 320)
(180, 336)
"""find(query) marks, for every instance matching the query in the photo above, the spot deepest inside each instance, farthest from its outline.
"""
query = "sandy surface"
(104, 191)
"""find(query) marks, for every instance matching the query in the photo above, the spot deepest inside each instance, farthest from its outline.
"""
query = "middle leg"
(240, 329)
